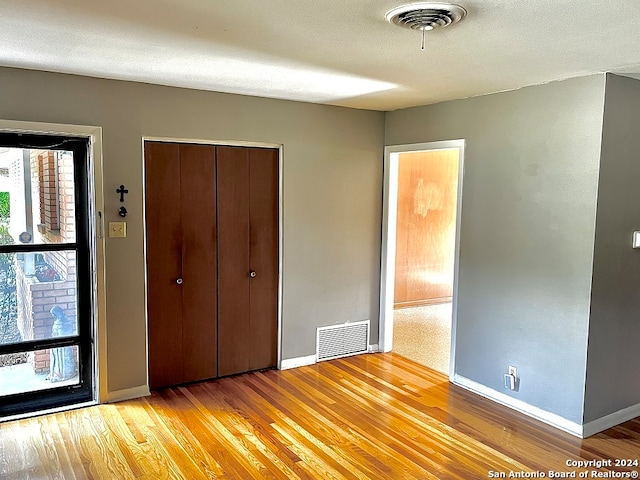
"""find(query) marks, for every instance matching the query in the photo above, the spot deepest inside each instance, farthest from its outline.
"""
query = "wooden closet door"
(247, 242)
(263, 247)
(234, 348)
(208, 316)
(199, 287)
(181, 262)
(164, 263)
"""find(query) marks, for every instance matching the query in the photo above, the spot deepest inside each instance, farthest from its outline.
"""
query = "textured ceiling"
(339, 52)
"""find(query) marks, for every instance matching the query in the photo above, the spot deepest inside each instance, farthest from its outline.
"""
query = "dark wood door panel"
(212, 218)
(263, 242)
(164, 264)
(199, 287)
(234, 349)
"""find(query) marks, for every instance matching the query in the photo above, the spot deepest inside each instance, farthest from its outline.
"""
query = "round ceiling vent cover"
(426, 16)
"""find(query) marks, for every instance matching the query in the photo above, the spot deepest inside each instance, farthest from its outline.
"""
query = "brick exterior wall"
(66, 199)
(25, 312)
(56, 208)
(48, 188)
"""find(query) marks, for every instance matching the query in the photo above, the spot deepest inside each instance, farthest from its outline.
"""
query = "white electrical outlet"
(511, 378)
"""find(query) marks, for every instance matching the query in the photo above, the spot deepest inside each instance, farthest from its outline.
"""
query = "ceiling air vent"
(424, 16)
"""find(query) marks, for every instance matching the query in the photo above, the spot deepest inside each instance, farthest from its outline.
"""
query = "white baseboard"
(522, 407)
(128, 394)
(311, 359)
(297, 362)
(611, 420)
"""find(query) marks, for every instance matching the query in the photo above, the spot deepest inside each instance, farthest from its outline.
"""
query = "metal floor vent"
(337, 341)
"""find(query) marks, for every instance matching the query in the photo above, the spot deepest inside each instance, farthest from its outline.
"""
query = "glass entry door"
(46, 285)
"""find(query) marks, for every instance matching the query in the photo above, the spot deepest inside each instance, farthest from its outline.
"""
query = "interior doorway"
(422, 205)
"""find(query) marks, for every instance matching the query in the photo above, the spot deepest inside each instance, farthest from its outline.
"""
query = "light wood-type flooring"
(377, 416)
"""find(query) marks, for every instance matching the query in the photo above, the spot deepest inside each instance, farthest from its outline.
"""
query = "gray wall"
(528, 221)
(613, 364)
(332, 194)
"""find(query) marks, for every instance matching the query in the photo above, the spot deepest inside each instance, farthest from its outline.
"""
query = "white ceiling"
(339, 52)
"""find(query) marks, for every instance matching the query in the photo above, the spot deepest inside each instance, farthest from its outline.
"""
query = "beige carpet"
(423, 334)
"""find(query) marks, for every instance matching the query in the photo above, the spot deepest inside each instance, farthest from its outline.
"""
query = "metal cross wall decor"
(122, 191)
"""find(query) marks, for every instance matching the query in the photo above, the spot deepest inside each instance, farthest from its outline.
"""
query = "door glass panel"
(37, 196)
(44, 273)
(40, 370)
(38, 297)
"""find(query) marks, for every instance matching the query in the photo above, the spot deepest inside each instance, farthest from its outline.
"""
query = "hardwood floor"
(366, 417)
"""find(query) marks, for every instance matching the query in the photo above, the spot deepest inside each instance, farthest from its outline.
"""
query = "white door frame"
(97, 251)
(389, 219)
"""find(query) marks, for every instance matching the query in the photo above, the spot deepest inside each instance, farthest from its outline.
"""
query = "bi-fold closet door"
(212, 260)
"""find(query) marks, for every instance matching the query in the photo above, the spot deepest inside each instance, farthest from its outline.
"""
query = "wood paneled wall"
(426, 227)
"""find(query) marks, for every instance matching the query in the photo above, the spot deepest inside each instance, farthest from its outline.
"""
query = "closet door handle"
(179, 281)
(252, 274)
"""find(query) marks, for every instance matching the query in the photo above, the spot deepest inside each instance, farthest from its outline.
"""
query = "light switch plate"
(636, 239)
(117, 229)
